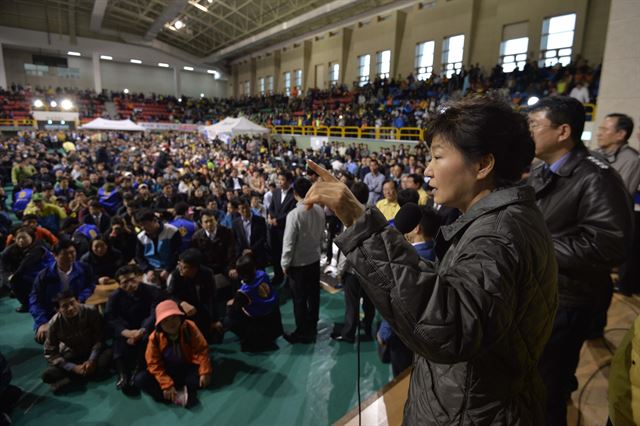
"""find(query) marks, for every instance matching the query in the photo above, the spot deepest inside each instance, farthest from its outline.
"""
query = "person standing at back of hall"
(588, 212)
(281, 204)
(300, 261)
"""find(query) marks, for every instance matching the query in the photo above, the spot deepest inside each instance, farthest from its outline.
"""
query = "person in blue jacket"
(185, 226)
(254, 313)
(22, 198)
(109, 197)
(65, 274)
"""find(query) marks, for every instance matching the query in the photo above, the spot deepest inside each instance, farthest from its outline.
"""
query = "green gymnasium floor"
(295, 385)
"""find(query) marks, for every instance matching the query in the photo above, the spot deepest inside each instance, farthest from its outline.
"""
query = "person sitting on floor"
(130, 314)
(64, 274)
(103, 259)
(254, 313)
(192, 285)
(177, 357)
(22, 261)
(9, 394)
(74, 345)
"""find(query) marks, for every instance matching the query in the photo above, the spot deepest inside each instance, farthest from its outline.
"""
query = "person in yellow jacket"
(624, 380)
(48, 215)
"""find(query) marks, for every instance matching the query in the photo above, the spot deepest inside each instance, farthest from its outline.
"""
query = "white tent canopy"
(103, 124)
(234, 126)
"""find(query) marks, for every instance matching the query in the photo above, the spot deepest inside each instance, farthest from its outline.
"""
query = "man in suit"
(250, 233)
(282, 203)
(233, 182)
(98, 217)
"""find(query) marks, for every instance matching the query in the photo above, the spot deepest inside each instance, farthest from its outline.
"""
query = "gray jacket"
(478, 319)
(626, 161)
(302, 240)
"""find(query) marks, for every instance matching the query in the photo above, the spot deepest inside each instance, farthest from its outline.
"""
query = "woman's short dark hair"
(361, 191)
(246, 267)
(482, 126)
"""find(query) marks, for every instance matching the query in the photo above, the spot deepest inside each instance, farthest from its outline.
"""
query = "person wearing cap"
(144, 197)
(74, 346)
(177, 356)
(130, 314)
(192, 285)
(48, 215)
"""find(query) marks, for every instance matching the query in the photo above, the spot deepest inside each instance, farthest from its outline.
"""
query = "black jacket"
(199, 292)
(126, 311)
(218, 253)
(258, 244)
(478, 319)
(588, 211)
(279, 210)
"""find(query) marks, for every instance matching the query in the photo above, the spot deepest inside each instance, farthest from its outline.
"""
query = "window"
(424, 59)
(287, 83)
(261, 86)
(557, 40)
(452, 52)
(383, 63)
(513, 53)
(270, 84)
(298, 75)
(247, 88)
(334, 74)
(364, 63)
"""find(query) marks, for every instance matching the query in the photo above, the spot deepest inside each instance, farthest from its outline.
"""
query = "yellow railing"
(590, 110)
(404, 133)
(27, 122)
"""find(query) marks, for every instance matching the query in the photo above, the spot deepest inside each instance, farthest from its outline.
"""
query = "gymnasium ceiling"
(214, 30)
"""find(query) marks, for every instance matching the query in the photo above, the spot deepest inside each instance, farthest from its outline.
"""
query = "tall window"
(261, 86)
(557, 40)
(452, 52)
(424, 59)
(270, 84)
(383, 63)
(287, 83)
(364, 63)
(334, 73)
(298, 75)
(247, 88)
(513, 53)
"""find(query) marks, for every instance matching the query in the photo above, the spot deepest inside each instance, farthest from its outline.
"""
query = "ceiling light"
(72, 53)
(178, 24)
(62, 122)
(202, 95)
(135, 61)
(106, 57)
(179, 99)
(532, 100)
(53, 104)
(186, 68)
(216, 74)
(49, 121)
(125, 91)
(66, 104)
(38, 103)
(163, 65)
(198, 5)
(210, 1)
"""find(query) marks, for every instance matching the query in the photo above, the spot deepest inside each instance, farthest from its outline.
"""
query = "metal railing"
(391, 133)
(25, 122)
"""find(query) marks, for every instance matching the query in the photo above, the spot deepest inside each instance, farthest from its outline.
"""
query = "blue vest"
(88, 230)
(21, 199)
(258, 306)
(110, 200)
(30, 274)
(186, 228)
(158, 257)
(425, 250)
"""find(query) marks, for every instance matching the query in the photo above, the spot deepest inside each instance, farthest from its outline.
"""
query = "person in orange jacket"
(177, 358)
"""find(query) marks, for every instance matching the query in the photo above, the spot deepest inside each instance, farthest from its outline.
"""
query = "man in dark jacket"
(250, 232)
(588, 211)
(217, 246)
(282, 203)
(65, 274)
(130, 315)
(192, 285)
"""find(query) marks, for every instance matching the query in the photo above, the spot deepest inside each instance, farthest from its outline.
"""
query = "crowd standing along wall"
(482, 22)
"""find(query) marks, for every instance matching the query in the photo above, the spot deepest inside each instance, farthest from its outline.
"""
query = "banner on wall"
(175, 127)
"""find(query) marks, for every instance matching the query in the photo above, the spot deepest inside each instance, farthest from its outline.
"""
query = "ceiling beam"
(97, 15)
(172, 10)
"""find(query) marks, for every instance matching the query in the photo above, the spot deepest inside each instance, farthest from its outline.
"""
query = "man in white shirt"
(300, 261)
(580, 92)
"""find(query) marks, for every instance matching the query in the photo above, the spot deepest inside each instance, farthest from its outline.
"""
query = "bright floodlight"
(202, 95)
(532, 100)
(126, 91)
(72, 53)
(179, 99)
(106, 57)
(62, 122)
(53, 104)
(66, 104)
(186, 68)
(38, 103)
(178, 24)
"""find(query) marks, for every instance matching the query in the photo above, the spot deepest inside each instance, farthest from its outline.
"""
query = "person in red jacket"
(177, 358)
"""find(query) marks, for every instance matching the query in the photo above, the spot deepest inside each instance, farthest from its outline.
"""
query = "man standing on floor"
(300, 261)
(281, 204)
(374, 181)
(588, 213)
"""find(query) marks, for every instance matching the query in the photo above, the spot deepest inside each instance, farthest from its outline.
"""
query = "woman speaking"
(478, 318)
